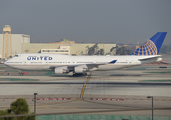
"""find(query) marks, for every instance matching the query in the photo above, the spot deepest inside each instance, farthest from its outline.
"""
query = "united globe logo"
(148, 48)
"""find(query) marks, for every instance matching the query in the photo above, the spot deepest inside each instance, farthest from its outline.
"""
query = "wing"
(78, 68)
(89, 66)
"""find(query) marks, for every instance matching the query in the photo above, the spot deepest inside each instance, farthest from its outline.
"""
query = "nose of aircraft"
(5, 62)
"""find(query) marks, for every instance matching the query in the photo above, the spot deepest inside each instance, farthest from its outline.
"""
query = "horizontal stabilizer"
(148, 58)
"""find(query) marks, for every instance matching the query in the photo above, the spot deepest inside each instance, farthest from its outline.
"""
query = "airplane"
(79, 65)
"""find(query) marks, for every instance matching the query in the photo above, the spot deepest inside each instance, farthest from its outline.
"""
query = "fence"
(101, 117)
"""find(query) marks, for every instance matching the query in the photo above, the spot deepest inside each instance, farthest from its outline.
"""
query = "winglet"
(152, 46)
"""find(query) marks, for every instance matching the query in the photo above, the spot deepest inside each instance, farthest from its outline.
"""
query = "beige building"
(20, 43)
(73, 49)
(16, 41)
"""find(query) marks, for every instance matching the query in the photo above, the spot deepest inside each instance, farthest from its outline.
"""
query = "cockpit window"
(16, 56)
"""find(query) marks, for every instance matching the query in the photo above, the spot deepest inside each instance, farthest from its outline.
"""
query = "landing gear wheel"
(21, 74)
(76, 74)
(79, 74)
(84, 74)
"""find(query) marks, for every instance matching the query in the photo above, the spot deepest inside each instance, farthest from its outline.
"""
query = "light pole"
(152, 104)
(35, 102)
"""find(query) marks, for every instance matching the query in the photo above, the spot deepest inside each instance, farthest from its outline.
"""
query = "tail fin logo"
(152, 46)
(148, 48)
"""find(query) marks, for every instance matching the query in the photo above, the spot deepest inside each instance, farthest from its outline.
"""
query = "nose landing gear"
(21, 74)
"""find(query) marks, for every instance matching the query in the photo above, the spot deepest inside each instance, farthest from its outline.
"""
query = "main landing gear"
(79, 74)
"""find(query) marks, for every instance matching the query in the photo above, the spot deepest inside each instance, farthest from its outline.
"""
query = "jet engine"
(60, 70)
(79, 69)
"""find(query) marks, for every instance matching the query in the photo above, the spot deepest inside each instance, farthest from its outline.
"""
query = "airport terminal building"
(21, 44)
(12, 44)
(65, 48)
(17, 41)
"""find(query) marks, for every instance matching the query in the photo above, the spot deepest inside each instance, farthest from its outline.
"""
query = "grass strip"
(155, 80)
(19, 79)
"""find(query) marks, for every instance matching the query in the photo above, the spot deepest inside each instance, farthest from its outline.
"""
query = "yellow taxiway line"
(83, 89)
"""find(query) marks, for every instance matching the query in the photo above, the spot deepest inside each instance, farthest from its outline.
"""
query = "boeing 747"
(146, 53)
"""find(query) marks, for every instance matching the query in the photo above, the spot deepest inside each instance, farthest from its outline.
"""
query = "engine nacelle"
(79, 69)
(59, 70)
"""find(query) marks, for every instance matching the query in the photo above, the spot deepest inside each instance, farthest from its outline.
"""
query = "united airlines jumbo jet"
(147, 53)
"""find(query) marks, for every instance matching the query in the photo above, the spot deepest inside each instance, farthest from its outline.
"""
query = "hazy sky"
(97, 21)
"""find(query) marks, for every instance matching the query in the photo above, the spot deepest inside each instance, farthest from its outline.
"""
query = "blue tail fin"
(152, 46)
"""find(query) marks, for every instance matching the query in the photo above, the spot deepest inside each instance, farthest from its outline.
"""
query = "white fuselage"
(40, 61)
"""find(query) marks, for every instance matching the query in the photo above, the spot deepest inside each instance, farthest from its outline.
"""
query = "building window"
(26, 51)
